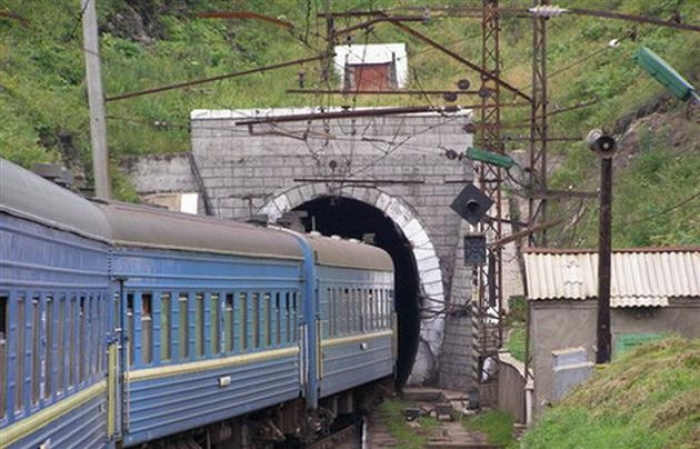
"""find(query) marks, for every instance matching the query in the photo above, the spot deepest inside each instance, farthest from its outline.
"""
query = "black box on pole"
(474, 249)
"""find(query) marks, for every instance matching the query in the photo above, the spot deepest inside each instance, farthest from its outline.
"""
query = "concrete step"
(421, 394)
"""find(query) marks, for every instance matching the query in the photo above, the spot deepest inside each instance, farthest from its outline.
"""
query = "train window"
(295, 316)
(4, 327)
(19, 371)
(266, 321)
(146, 328)
(377, 297)
(165, 332)
(338, 311)
(199, 324)
(48, 347)
(353, 305)
(329, 312)
(104, 329)
(116, 301)
(255, 320)
(90, 337)
(35, 377)
(183, 322)
(346, 311)
(385, 303)
(72, 336)
(229, 331)
(61, 338)
(278, 319)
(360, 308)
(130, 324)
(243, 320)
(4, 322)
(365, 308)
(380, 308)
(371, 302)
(287, 317)
(80, 356)
(356, 298)
(96, 304)
(215, 326)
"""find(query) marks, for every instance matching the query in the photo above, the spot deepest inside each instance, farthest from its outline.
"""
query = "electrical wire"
(671, 208)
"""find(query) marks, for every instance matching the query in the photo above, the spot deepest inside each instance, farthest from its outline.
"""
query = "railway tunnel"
(350, 218)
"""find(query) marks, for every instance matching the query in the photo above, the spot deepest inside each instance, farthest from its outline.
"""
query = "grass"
(496, 424)
(157, 43)
(649, 398)
(516, 341)
(409, 437)
(515, 323)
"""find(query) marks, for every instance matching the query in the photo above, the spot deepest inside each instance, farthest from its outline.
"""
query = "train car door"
(116, 348)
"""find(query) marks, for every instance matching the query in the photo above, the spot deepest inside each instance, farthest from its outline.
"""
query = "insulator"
(547, 11)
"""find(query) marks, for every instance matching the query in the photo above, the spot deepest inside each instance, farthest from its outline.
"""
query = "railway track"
(346, 438)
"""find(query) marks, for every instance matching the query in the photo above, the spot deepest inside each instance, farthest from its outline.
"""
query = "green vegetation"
(649, 398)
(391, 414)
(154, 43)
(515, 323)
(497, 425)
(516, 340)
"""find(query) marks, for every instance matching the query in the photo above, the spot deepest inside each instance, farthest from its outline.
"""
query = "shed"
(654, 292)
(372, 66)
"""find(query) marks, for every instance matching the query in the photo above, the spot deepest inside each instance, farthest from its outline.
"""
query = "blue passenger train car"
(355, 296)
(54, 319)
(123, 325)
(211, 312)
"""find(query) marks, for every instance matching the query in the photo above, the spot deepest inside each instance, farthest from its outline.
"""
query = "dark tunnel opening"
(350, 218)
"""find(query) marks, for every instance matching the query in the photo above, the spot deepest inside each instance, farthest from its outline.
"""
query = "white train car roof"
(150, 227)
(25, 194)
(336, 252)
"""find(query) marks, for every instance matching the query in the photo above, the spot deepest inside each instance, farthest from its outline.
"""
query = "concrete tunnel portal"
(350, 218)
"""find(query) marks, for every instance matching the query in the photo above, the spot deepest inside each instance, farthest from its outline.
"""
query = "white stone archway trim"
(427, 261)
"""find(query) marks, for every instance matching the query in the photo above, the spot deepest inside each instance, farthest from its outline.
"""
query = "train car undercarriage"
(288, 425)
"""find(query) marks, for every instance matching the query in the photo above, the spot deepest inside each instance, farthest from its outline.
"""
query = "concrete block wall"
(559, 324)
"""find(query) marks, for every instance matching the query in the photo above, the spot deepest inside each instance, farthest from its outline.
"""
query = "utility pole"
(98, 125)
(604, 146)
(604, 248)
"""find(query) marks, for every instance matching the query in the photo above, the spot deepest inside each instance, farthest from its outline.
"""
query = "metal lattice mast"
(490, 180)
(537, 210)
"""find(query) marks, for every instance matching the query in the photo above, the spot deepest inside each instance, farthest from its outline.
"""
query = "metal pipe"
(347, 114)
(381, 92)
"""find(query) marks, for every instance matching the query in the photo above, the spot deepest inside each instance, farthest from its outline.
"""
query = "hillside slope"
(648, 399)
(154, 43)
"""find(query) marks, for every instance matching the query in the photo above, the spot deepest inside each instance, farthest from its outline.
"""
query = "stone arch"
(427, 261)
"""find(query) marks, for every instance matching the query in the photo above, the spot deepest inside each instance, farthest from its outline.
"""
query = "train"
(125, 325)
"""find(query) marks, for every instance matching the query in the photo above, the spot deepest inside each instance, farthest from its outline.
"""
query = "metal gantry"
(537, 207)
(488, 337)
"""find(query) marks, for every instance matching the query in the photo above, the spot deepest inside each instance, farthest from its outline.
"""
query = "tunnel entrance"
(350, 218)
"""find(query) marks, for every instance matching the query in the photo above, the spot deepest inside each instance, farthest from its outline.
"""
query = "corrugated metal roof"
(644, 277)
